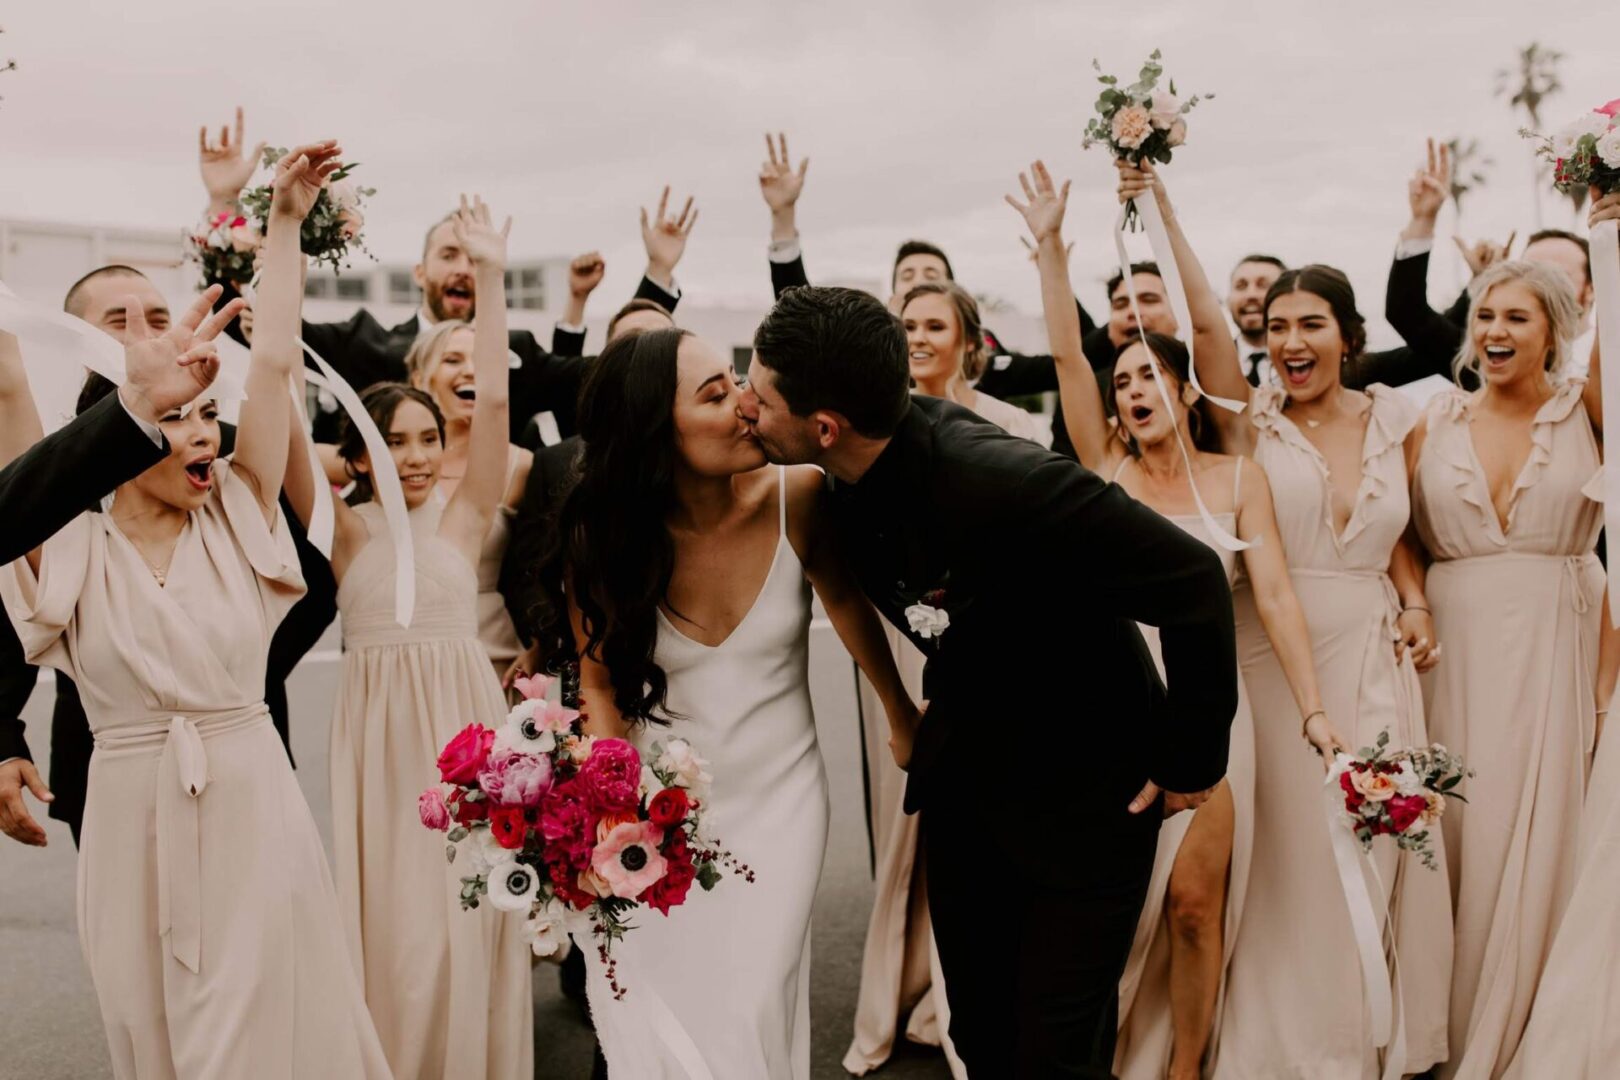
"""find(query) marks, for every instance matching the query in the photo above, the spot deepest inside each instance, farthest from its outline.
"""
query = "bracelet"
(1305, 723)
(1416, 607)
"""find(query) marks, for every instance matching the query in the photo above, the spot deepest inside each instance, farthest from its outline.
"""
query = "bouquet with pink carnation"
(1140, 122)
(223, 246)
(574, 831)
(1585, 152)
(1398, 793)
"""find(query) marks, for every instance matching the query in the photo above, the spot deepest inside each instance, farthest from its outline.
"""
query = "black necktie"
(1255, 360)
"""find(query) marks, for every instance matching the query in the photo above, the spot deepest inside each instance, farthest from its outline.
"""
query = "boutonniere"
(928, 618)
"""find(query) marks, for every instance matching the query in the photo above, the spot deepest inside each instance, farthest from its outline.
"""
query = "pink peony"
(532, 686)
(430, 806)
(628, 860)
(464, 756)
(512, 778)
(1131, 126)
(566, 824)
(1406, 809)
(611, 776)
(1611, 109)
(1177, 134)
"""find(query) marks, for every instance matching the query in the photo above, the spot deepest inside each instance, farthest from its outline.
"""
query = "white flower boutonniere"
(929, 621)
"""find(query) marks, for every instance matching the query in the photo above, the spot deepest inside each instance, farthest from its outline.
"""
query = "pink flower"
(244, 238)
(1405, 809)
(511, 778)
(350, 222)
(1177, 134)
(463, 757)
(628, 860)
(611, 776)
(430, 806)
(1611, 109)
(1131, 126)
(565, 822)
(532, 686)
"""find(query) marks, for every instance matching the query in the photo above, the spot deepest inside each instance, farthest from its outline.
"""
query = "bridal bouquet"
(573, 830)
(333, 225)
(223, 246)
(1584, 152)
(1141, 122)
(1398, 794)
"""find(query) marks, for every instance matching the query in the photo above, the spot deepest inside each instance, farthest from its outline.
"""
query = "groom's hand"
(1174, 801)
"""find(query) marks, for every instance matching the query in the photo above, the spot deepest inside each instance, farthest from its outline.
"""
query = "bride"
(681, 580)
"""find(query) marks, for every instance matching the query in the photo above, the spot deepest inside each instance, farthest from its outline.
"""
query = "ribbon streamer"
(1605, 242)
(322, 521)
(385, 481)
(1179, 304)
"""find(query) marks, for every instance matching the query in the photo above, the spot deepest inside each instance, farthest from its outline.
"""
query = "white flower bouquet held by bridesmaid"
(1140, 122)
(1397, 794)
(575, 830)
(1585, 152)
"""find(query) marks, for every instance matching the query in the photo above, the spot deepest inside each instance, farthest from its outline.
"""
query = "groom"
(1050, 749)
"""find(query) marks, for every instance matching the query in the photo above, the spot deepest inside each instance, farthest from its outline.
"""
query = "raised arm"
(1083, 411)
(780, 185)
(1406, 300)
(664, 237)
(471, 510)
(225, 171)
(262, 435)
(584, 275)
(1216, 356)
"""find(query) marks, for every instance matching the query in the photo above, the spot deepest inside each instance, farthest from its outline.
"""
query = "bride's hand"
(903, 732)
(1137, 180)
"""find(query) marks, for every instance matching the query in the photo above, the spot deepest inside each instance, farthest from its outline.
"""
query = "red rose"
(671, 889)
(668, 807)
(466, 810)
(566, 883)
(1404, 810)
(507, 823)
(464, 755)
(1352, 798)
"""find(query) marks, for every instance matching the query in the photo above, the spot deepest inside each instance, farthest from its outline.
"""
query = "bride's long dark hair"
(611, 548)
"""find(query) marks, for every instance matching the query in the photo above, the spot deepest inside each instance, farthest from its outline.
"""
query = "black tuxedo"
(553, 471)
(1043, 701)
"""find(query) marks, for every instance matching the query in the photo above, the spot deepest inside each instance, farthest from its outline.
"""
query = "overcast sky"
(916, 117)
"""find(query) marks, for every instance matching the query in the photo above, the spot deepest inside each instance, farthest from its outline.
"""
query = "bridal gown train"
(720, 987)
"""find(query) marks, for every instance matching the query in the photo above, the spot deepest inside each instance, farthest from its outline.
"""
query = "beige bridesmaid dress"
(495, 628)
(900, 965)
(1574, 1028)
(1294, 1003)
(1146, 1031)
(449, 989)
(1516, 606)
(206, 912)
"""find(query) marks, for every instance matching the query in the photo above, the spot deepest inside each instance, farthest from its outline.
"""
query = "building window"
(526, 288)
(740, 356)
(319, 288)
(352, 288)
(402, 288)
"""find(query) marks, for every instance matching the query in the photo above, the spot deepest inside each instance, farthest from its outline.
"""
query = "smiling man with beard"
(1252, 277)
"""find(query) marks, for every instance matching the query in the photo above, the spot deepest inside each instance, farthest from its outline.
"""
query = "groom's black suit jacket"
(1042, 686)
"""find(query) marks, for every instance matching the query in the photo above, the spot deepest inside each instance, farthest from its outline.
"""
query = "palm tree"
(1468, 168)
(1532, 81)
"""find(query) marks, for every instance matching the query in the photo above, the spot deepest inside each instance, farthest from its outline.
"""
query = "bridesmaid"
(900, 967)
(449, 989)
(1333, 458)
(440, 363)
(1500, 500)
(1172, 984)
(206, 910)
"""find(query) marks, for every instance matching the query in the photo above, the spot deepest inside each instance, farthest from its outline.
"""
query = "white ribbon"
(1605, 242)
(1364, 903)
(1178, 302)
(384, 481)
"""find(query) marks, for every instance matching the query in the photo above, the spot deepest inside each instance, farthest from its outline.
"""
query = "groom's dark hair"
(839, 350)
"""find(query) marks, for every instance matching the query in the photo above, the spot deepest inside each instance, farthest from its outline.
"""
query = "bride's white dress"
(721, 986)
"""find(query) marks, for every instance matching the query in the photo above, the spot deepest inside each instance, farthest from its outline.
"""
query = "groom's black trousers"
(1034, 910)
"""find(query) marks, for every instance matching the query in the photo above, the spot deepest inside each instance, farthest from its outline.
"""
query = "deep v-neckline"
(764, 586)
(152, 572)
(1336, 531)
(1504, 525)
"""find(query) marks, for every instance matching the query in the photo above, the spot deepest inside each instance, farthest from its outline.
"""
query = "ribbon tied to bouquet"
(1605, 245)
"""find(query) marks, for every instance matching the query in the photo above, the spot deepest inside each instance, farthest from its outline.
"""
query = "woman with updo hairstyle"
(1335, 461)
(1504, 502)
(900, 970)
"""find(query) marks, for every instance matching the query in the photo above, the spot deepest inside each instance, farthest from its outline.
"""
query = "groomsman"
(1251, 279)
